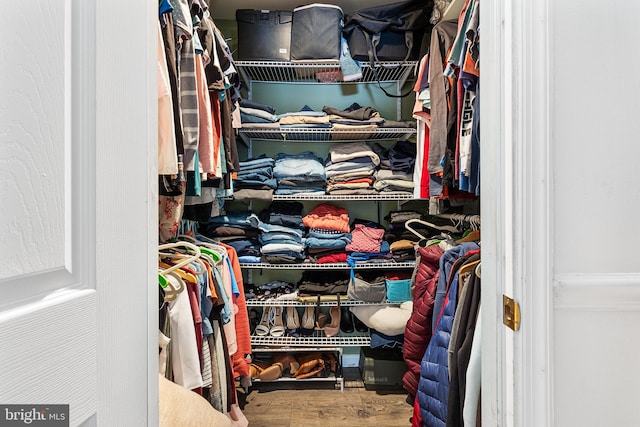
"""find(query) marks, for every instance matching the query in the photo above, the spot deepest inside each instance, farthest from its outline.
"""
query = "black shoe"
(346, 320)
(360, 327)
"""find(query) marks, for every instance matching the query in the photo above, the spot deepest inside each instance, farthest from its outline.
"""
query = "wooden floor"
(310, 404)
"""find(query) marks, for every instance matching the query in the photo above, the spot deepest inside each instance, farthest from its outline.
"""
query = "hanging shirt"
(167, 152)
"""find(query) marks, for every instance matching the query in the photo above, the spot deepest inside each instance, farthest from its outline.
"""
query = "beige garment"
(163, 342)
(167, 152)
(184, 408)
(205, 141)
(308, 120)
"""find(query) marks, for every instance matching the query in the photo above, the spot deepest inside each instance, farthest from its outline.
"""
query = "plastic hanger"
(448, 228)
(215, 251)
(162, 280)
(472, 236)
(188, 259)
(171, 292)
(468, 268)
(222, 251)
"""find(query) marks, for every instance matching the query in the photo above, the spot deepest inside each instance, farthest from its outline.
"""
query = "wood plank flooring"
(309, 404)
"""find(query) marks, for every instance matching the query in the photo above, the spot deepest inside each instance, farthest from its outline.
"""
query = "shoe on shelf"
(332, 328)
(346, 320)
(254, 320)
(256, 368)
(321, 318)
(288, 362)
(357, 323)
(293, 322)
(271, 373)
(275, 318)
(331, 361)
(308, 321)
(263, 328)
(311, 365)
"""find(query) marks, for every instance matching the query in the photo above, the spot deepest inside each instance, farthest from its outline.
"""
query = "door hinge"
(510, 313)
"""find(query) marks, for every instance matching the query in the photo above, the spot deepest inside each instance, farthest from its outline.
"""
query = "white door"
(78, 209)
(560, 165)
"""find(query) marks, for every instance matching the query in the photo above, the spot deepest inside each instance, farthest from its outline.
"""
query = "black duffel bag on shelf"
(391, 32)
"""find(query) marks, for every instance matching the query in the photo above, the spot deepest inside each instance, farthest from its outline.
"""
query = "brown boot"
(332, 361)
(272, 373)
(311, 364)
(256, 368)
(288, 362)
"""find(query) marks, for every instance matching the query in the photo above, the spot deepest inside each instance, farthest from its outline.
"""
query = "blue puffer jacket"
(446, 261)
(433, 388)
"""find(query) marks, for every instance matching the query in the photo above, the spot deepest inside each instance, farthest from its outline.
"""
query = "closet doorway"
(558, 158)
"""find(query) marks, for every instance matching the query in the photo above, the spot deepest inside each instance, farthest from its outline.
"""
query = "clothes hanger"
(215, 251)
(179, 272)
(472, 236)
(448, 228)
(212, 244)
(188, 259)
(468, 268)
(171, 293)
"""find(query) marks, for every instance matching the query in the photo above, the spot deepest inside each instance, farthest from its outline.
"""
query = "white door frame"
(517, 227)
(127, 210)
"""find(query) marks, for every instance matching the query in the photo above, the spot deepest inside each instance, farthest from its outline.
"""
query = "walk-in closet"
(320, 193)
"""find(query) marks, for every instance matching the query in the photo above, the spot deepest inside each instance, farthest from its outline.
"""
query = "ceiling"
(226, 9)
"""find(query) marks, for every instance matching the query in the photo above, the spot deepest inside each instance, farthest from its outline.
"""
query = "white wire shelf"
(326, 134)
(319, 71)
(296, 350)
(330, 378)
(391, 197)
(295, 303)
(345, 197)
(318, 339)
(332, 266)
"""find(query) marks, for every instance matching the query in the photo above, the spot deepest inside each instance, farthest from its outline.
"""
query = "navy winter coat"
(433, 388)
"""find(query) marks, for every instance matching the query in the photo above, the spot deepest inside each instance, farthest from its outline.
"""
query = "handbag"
(392, 32)
(362, 290)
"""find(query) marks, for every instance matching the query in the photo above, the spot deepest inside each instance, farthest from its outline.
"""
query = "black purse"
(392, 32)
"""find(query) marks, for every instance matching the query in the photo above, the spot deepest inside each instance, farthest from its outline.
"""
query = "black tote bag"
(392, 32)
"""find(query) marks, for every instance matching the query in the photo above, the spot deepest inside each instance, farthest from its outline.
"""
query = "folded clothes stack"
(235, 229)
(396, 172)
(254, 112)
(367, 243)
(353, 117)
(402, 156)
(389, 181)
(299, 173)
(328, 233)
(318, 282)
(402, 241)
(255, 178)
(282, 236)
(248, 249)
(350, 168)
(306, 118)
